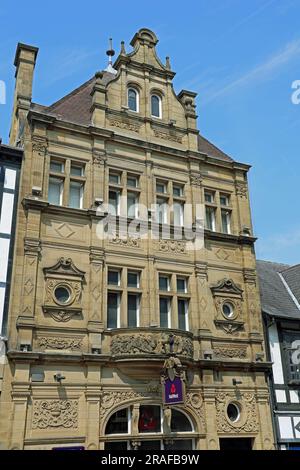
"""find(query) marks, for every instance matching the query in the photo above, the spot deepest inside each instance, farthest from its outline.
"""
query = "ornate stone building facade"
(92, 317)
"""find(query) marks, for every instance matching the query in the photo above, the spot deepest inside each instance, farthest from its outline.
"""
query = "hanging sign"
(173, 391)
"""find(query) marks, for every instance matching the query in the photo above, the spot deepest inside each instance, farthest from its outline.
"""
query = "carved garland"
(55, 414)
(172, 246)
(52, 342)
(124, 125)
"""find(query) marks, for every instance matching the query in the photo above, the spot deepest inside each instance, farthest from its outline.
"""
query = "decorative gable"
(228, 298)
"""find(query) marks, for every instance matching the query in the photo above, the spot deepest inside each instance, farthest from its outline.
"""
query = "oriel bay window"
(66, 183)
(151, 429)
(173, 301)
(123, 297)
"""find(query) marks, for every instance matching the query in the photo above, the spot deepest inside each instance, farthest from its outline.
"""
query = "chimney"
(25, 59)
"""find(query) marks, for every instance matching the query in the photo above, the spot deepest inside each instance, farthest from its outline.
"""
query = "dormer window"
(156, 106)
(133, 100)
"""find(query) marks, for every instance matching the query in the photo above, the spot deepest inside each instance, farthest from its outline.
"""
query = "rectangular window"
(133, 310)
(76, 170)
(114, 178)
(56, 167)
(164, 311)
(161, 187)
(10, 178)
(75, 196)
(113, 278)
(114, 202)
(178, 210)
(210, 218)
(183, 314)
(132, 205)
(161, 211)
(177, 190)
(225, 216)
(224, 199)
(113, 305)
(290, 345)
(55, 191)
(164, 283)
(133, 279)
(209, 197)
(132, 181)
(181, 284)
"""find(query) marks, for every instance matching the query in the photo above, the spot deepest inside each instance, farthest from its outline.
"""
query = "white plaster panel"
(280, 396)
(285, 427)
(4, 251)
(6, 213)
(275, 355)
(294, 397)
(296, 420)
(10, 178)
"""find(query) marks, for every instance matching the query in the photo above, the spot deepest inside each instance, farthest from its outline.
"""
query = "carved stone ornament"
(248, 421)
(125, 124)
(172, 246)
(55, 414)
(132, 242)
(150, 344)
(171, 136)
(99, 158)
(64, 278)
(39, 144)
(231, 351)
(111, 399)
(54, 342)
(194, 401)
(241, 190)
(195, 179)
(226, 286)
(228, 298)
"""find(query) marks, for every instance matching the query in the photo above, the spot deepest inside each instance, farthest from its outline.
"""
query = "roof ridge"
(289, 268)
(69, 95)
(289, 291)
(272, 262)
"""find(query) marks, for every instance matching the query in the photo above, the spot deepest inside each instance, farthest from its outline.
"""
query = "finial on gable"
(144, 36)
(110, 52)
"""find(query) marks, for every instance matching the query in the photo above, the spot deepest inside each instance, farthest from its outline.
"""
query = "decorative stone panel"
(55, 414)
(227, 292)
(248, 421)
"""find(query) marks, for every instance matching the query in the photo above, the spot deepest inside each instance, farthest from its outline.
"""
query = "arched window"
(148, 421)
(156, 106)
(133, 99)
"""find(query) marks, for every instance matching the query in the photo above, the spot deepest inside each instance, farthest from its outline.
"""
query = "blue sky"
(240, 56)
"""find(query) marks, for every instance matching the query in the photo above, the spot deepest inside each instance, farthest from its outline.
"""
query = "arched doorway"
(149, 427)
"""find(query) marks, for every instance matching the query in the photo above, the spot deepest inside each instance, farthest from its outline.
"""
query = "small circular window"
(233, 412)
(228, 309)
(62, 294)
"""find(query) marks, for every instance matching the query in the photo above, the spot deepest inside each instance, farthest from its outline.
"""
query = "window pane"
(114, 202)
(112, 310)
(224, 200)
(118, 423)
(56, 167)
(225, 221)
(132, 306)
(177, 190)
(161, 211)
(210, 218)
(161, 188)
(150, 445)
(132, 181)
(149, 420)
(164, 283)
(55, 191)
(132, 201)
(182, 312)
(155, 106)
(132, 279)
(114, 178)
(10, 178)
(179, 422)
(75, 196)
(113, 278)
(132, 99)
(76, 170)
(209, 197)
(164, 312)
(116, 446)
(178, 214)
(180, 444)
(181, 284)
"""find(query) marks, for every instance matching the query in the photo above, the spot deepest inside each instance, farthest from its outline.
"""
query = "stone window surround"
(173, 295)
(216, 205)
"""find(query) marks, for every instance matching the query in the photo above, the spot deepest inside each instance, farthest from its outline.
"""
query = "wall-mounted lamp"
(59, 377)
(236, 382)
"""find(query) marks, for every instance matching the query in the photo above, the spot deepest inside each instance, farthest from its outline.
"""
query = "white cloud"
(261, 72)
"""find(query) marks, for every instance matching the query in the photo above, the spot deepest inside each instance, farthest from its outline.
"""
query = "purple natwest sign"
(173, 391)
